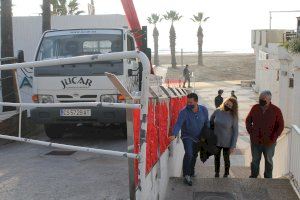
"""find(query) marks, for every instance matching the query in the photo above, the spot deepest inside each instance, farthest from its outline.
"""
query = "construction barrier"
(174, 82)
(162, 116)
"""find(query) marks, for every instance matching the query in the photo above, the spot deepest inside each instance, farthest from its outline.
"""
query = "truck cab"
(84, 82)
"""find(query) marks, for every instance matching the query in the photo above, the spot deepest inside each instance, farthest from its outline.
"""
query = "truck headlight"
(45, 98)
(107, 98)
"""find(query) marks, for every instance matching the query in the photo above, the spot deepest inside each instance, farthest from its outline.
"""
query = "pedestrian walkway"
(238, 186)
(207, 92)
(231, 189)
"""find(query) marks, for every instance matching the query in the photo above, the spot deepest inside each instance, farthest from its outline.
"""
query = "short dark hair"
(186, 65)
(220, 91)
(193, 96)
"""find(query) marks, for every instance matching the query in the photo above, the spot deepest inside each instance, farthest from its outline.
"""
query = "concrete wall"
(275, 72)
(264, 37)
(154, 185)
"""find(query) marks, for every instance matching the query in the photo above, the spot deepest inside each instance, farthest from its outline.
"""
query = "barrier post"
(130, 149)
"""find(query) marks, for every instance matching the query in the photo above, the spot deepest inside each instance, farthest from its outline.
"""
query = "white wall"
(282, 64)
(154, 185)
(27, 32)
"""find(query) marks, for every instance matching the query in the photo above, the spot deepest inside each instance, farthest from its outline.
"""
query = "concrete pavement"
(28, 173)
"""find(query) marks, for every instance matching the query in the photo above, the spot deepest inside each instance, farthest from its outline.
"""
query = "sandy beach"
(217, 66)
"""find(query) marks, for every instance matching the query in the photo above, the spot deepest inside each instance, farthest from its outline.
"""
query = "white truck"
(82, 82)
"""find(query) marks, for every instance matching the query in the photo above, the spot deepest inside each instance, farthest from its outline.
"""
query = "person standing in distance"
(219, 99)
(187, 76)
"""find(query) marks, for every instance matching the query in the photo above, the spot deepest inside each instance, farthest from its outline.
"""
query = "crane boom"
(135, 27)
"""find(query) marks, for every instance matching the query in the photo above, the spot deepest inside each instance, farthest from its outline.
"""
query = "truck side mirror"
(130, 73)
(20, 57)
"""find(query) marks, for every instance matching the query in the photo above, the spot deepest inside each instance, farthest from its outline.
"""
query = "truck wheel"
(54, 131)
(124, 130)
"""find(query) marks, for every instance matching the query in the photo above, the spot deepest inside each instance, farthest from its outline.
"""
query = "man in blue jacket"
(191, 121)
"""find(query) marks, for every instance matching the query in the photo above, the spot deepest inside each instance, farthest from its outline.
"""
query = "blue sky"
(228, 29)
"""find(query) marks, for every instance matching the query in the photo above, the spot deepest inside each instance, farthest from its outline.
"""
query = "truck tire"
(54, 131)
(124, 130)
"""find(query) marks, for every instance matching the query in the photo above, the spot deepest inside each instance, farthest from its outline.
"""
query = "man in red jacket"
(265, 124)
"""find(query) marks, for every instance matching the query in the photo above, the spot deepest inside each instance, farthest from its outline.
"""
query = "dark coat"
(207, 144)
(218, 101)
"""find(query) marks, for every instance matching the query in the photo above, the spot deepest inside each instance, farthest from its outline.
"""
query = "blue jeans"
(268, 152)
(190, 156)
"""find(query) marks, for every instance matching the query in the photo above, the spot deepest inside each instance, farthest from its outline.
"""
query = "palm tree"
(172, 16)
(9, 88)
(62, 7)
(154, 19)
(198, 18)
(46, 15)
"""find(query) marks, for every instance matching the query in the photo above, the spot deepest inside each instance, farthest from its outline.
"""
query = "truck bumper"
(99, 115)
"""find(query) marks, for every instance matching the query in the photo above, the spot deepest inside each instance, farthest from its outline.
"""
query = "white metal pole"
(71, 147)
(181, 57)
(270, 20)
(20, 121)
(20, 100)
(77, 104)
(78, 59)
(194, 82)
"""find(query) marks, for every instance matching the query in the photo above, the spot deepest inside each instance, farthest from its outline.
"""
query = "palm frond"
(206, 19)
(172, 16)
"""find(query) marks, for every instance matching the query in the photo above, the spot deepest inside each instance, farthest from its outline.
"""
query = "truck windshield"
(65, 44)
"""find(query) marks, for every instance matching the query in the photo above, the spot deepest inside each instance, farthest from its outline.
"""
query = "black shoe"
(252, 176)
(225, 175)
(217, 175)
(187, 180)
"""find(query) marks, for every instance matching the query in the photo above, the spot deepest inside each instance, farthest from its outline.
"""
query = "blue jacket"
(191, 123)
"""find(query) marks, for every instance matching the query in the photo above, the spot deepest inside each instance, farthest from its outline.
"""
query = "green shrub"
(293, 46)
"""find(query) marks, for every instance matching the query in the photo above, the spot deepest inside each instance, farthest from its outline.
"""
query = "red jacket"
(264, 128)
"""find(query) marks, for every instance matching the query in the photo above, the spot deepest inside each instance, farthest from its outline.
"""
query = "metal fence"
(286, 160)
(294, 156)
(143, 102)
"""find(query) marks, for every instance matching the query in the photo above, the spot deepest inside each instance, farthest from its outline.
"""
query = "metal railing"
(281, 157)
(83, 59)
(294, 156)
(286, 160)
(143, 105)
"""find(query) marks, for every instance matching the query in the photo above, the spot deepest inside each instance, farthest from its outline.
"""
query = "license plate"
(75, 112)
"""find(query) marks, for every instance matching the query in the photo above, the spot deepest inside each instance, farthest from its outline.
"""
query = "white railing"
(90, 59)
(281, 157)
(83, 59)
(286, 160)
(294, 156)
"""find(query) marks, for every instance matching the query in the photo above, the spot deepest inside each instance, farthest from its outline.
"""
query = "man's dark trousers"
(268, 151)
(190, 156)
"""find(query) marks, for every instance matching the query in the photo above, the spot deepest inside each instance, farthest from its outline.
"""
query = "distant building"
(278, 70)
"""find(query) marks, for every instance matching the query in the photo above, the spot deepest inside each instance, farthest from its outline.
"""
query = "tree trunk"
(9, 89)
(173, 45)
(46, 15)
(155, 37)
(200, 43)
